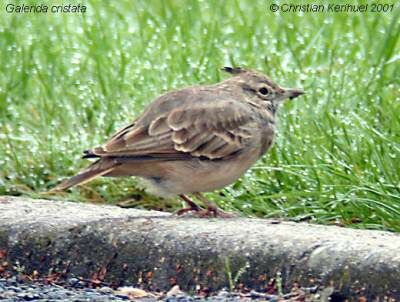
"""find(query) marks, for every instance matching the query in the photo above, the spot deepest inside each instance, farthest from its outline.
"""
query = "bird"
(194, 140)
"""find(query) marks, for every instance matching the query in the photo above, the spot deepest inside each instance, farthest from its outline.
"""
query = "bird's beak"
(292, 93)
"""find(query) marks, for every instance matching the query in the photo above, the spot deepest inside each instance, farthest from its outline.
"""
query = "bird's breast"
(182, 177)
(266, 139)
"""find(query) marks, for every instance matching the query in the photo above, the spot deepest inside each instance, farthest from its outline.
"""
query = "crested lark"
(195, 139)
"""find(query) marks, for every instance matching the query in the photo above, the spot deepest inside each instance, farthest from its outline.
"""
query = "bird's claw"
(210, 212)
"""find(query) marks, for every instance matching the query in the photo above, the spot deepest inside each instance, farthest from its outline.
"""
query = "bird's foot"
(212, 211)
(195, 211)
(193, 207)
(187, 210)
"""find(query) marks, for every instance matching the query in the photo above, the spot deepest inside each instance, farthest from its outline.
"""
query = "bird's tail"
(98, 168)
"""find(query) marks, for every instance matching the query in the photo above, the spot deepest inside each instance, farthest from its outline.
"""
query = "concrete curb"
(157, 250)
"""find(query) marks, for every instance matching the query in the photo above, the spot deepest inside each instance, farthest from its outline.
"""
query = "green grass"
(67, 82)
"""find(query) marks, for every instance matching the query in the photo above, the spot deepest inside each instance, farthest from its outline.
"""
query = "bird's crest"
(233, 70)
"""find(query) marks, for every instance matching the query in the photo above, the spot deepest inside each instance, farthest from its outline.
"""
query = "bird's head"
(261, 89)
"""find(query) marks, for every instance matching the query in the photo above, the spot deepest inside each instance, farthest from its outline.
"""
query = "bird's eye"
(263, 91)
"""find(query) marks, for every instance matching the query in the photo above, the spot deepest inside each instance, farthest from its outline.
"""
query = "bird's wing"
(211, 129)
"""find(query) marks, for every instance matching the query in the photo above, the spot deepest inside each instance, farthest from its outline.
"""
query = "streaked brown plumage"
(194, 140)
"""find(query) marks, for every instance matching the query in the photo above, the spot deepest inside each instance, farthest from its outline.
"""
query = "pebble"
(15, 290)
(105, 290)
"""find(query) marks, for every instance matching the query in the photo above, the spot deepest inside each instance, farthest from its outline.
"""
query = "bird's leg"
(212, 208)
(192, 205)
